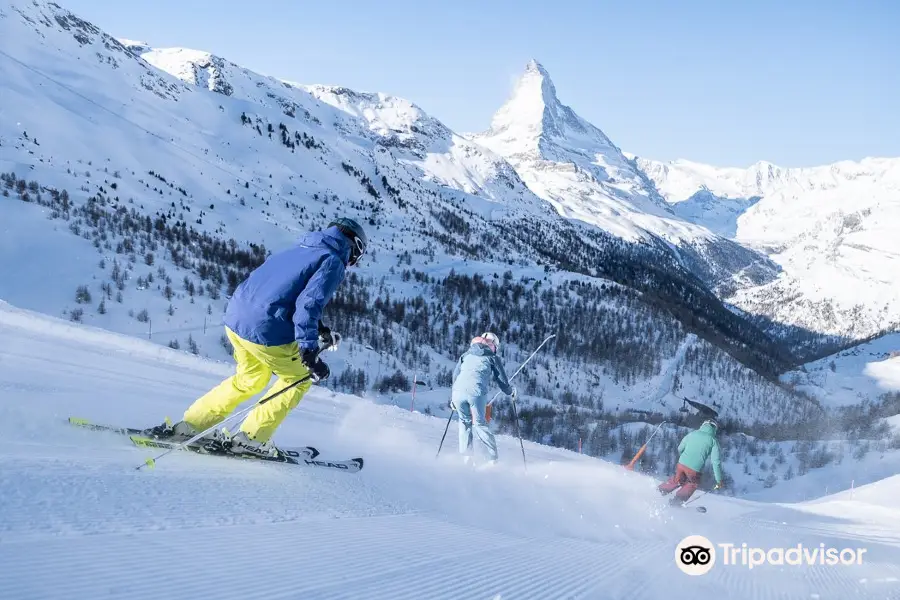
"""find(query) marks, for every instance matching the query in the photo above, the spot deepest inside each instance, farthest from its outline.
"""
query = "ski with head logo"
(306, 456)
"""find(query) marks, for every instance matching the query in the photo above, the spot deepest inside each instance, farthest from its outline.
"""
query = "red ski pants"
(685, 478)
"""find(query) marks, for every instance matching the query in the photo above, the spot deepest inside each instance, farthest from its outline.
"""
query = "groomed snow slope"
(78, 521)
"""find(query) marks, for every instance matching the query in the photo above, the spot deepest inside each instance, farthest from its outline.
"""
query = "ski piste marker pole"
(151, 462)
(522, 366)
(640, 452)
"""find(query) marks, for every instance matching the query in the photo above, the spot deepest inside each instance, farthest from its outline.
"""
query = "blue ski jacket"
(282, 300)
(474, 372)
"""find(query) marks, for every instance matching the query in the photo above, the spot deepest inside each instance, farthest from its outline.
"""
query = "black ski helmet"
(357, 235)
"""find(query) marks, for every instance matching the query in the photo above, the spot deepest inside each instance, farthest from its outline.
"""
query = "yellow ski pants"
(255, 366)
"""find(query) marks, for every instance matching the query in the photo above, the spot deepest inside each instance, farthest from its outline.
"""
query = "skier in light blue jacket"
(472, 378)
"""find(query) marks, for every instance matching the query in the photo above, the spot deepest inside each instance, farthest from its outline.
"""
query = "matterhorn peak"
(533, 124)
(534, 66)
(535, 82)
(567, 160)
(532, 100)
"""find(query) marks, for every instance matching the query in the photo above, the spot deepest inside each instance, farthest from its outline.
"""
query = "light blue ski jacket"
(475, 370)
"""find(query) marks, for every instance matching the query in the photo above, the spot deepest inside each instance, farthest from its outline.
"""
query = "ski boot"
(240, 443)
(179, 432)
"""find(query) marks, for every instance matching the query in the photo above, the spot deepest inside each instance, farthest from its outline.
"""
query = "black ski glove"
(315, 365)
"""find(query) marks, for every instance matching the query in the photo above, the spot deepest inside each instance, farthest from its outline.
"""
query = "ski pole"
(150, 462)
(700, 495)
(547, 339)
(447, 428)
(640, 452)
(518, 434)
(654, 432)
(324, 344)
(515, 408)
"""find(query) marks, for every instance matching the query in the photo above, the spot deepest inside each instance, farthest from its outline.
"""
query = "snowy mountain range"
(832, 230)
(182, 169)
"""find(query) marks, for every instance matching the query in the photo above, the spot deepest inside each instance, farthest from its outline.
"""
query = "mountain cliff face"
(154, 179)
(831, 229)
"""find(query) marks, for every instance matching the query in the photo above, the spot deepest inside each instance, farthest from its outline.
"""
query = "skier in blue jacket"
(472, 378)
(273, 322)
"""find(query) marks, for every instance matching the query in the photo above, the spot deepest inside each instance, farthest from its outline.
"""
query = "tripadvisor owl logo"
(695, 555)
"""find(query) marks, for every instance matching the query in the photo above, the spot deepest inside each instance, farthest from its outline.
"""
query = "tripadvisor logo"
(696, 555)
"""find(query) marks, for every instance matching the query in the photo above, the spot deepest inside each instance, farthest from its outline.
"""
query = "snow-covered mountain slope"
(573, 165)
(832, 229)
(420, 144)
(403, 528)
(636, 359)
(678, 180)
(192, 66)
(862, 373)
(154, 196)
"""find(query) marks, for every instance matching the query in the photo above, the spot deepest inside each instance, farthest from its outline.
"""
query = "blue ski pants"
(472, 420)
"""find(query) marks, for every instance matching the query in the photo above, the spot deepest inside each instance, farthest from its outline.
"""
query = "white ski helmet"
(492, 340)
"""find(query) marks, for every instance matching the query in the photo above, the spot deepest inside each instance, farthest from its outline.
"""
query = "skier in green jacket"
(694, 450)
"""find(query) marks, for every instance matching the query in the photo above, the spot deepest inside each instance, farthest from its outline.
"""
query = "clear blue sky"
(795, 82)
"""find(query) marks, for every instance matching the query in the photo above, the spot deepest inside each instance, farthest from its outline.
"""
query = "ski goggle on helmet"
(488, 339)
(356, 234)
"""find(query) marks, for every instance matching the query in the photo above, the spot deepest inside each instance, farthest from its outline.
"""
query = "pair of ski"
(302, 456)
